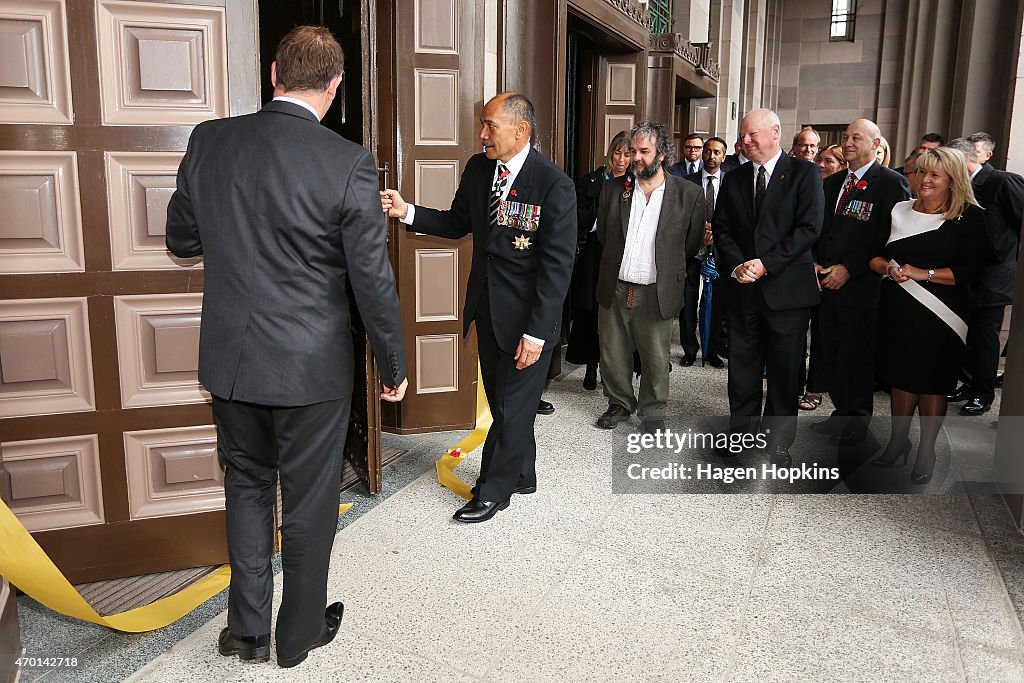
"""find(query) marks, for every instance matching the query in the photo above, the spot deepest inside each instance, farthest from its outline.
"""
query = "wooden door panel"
(430, 95)
(106, 446)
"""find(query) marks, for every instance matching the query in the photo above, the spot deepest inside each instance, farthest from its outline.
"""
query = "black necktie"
(709, 199)
(762, 185)
(496, 192)
(693, 168)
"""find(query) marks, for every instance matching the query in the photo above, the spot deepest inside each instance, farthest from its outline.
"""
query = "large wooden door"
(430, 92)
(107, 452)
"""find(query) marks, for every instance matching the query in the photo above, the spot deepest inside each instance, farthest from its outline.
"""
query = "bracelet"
(930, 273)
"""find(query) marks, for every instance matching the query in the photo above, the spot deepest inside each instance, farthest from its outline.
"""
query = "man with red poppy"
(858, 213)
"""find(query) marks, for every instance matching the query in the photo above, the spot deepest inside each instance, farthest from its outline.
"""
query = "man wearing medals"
(857, 218)
(521, 211)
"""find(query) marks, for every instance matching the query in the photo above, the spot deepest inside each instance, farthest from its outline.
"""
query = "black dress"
(916, 350)
(583, 347)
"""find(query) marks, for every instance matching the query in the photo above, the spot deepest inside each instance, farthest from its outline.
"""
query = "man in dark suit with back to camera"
(1001, 194)
(521, 211)
(766, 222)
(282, 210)
(857, 221)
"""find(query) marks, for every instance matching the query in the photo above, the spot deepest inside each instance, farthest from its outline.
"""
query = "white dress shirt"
(638, 264)
(769, 168)
(295, 100)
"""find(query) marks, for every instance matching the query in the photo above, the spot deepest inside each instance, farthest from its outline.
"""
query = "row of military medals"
(519, 216)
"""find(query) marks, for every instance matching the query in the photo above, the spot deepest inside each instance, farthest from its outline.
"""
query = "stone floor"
(575, 583)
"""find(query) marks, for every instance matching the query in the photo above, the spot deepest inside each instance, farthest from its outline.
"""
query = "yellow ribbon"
(26, 566)
(447, 463)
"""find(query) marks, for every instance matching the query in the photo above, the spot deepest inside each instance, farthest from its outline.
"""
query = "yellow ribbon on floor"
(28, 567)
(447, 463)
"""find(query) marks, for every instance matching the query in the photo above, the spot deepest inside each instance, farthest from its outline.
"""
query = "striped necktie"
(847, 191)
(709, 199)
(497, 191)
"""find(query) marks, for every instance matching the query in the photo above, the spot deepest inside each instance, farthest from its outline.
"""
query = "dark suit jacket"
(731, 163)
(853, 242)
(681, 169)
(526, 287)
(283, 209)
(782, 236)
(680, 234)
(1001, 193)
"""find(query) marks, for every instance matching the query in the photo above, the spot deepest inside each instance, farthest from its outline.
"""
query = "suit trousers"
(641, 329)
(763, 341)
(510, 450)
(847, 358)
(688, 315)
(303, 445)
(981, 360)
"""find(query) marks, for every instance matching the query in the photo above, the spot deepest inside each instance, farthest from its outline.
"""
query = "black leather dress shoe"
(974, 407)
(248, 648)
(715, 362)
(688, 360)
(590, 378)
(524, 489)
(779, 455)
(962, 393)
(613, 416)
(833, 425)
(851, 436)
(478, 510)
(545, 408)
(332, 621)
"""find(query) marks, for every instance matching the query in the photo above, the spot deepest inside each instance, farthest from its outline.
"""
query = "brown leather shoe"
(613, 416)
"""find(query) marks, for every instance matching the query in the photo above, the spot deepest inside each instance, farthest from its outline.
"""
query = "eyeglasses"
(690, 148)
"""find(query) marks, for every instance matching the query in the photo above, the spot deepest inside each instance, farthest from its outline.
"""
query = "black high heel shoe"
(920, 479)
(903, 452)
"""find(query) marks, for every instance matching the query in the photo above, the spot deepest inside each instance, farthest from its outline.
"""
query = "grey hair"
(966, 147)
(521, 109)
(662, 139)
(987, 141)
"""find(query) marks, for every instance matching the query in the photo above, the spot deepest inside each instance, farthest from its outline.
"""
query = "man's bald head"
(860, 143)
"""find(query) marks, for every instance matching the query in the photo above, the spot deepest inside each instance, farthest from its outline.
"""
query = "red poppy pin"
(512, 192)
(862, 185)
(629, 189)
(455, 452)
(782, 177)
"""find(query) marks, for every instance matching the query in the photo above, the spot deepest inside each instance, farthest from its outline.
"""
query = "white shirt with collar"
(976, 172)
(717, 175)
(769, 168)
(860, 172)
(514, 166)
(294, 100)
(638, 265)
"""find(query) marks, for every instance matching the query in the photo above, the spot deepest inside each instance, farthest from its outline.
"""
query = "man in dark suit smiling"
(857, 221)
(766, 222)
(521, 211)
(282, 210)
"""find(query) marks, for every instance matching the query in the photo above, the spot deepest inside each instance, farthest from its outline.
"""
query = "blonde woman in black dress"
(936, 246)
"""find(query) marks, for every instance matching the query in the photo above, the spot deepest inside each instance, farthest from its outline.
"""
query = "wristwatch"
(930, 274)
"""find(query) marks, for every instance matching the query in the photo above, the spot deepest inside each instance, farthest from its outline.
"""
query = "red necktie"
(850, 184)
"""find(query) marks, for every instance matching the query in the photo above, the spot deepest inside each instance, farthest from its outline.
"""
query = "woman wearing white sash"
(936, 247)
